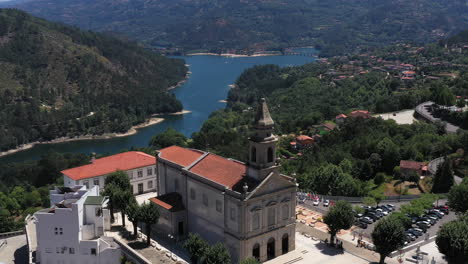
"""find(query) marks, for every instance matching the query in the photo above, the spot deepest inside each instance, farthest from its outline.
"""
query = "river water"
(207, 85)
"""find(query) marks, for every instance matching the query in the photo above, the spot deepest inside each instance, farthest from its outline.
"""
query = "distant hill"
(335, 26)
(56, 80)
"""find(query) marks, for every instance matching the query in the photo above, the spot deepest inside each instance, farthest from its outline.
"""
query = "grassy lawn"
(396, 187)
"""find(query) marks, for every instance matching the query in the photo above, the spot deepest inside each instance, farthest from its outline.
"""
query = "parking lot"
(366, 233)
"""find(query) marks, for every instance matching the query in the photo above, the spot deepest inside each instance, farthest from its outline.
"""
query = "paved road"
(15, 252)
(424, 112)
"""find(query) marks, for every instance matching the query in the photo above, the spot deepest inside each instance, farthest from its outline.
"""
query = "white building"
(140, 168)
(71, 231)
(248, 207)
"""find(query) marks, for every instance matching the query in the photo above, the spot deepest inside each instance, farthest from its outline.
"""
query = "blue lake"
(207, 85)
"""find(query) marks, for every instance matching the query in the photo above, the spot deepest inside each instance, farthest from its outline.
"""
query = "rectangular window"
(56, 231)
(58, 250)
(86, 183)
(233, 214)
(140, 173)
(219, 207)
(61, 231)
(96, 182)
(150, 171)
(285, 212)
(150, 184)
(71, 250)
(93, 251)
(130, 175)
(271, 216)
(205, 200)
(255, 221)
(192, 194)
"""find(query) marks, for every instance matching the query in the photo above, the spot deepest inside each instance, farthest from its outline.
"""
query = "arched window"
(270, 154)
(285, 244)
(254, 155)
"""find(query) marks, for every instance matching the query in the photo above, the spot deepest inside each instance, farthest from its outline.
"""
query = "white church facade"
(249, 207)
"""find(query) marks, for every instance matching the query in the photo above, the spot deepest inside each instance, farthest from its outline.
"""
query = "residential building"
(140, 168)
(249, 207)
(407, 167)
(71, 231)
(303, 141)
(360, 113)
(340, 119)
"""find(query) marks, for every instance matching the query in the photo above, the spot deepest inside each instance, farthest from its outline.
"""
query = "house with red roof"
(250, 207)
(360, 113)
(303, 142)
(340, 119)
(407, 167)
(140, 168)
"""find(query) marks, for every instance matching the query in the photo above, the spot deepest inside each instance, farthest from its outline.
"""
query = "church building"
(249, 207)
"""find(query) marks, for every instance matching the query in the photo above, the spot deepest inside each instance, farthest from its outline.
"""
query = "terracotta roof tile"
(169, 201)
(220, 170)
(123, 161)
(409, 164)
(179, 155)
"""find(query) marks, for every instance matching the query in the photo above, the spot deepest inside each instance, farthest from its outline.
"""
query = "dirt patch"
(396, 187)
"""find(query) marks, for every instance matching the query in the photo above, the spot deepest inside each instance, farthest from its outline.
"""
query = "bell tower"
(262, 144)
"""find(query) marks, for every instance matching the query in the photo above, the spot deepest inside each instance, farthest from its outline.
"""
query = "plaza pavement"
(15, 251)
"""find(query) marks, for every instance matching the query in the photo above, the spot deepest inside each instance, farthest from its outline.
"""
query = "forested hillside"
(56, 81)
(334, 26)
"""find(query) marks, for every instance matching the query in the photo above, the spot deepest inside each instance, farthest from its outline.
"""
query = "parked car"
(443, 208)
(436, 214)
(372, 216)
(423, 224)
(316, 202)
(359, 215)
(420, 230)
(366, 220)
(410, 236)
(362, 225)
(391, 206)
(415, 232)
(326, 203)
(382, 211)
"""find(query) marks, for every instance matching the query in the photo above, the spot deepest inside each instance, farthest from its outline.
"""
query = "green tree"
(149, 214)
(377, 195)
(217, 254)
(168, 138)
(443, 179)
(133, 214)
(452, 240)
(368, 200)
(121, 200)
(196, 247)
(379, 178)
(458, 197)
(461, 103)
(388, 236)
(115, 184)
(340, 216)
(249, 261)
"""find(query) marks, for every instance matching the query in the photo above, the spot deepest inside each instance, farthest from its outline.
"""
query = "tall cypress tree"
(443, 179)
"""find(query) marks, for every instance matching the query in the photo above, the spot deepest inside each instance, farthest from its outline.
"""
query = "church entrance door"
(271, 249)
(285, 244)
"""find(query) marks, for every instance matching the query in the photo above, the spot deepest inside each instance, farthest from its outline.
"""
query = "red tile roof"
(220, 170)
(123, 161)
(360, 113)
(169, 201)
(409, 164)
(340, 116)
(179, 155)
(303, 137)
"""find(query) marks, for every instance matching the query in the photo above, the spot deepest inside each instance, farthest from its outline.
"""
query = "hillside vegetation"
(57, 81)
(334, 26)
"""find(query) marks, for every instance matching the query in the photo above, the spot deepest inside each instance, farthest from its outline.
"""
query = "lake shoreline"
(231, 55)
(132, 131)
